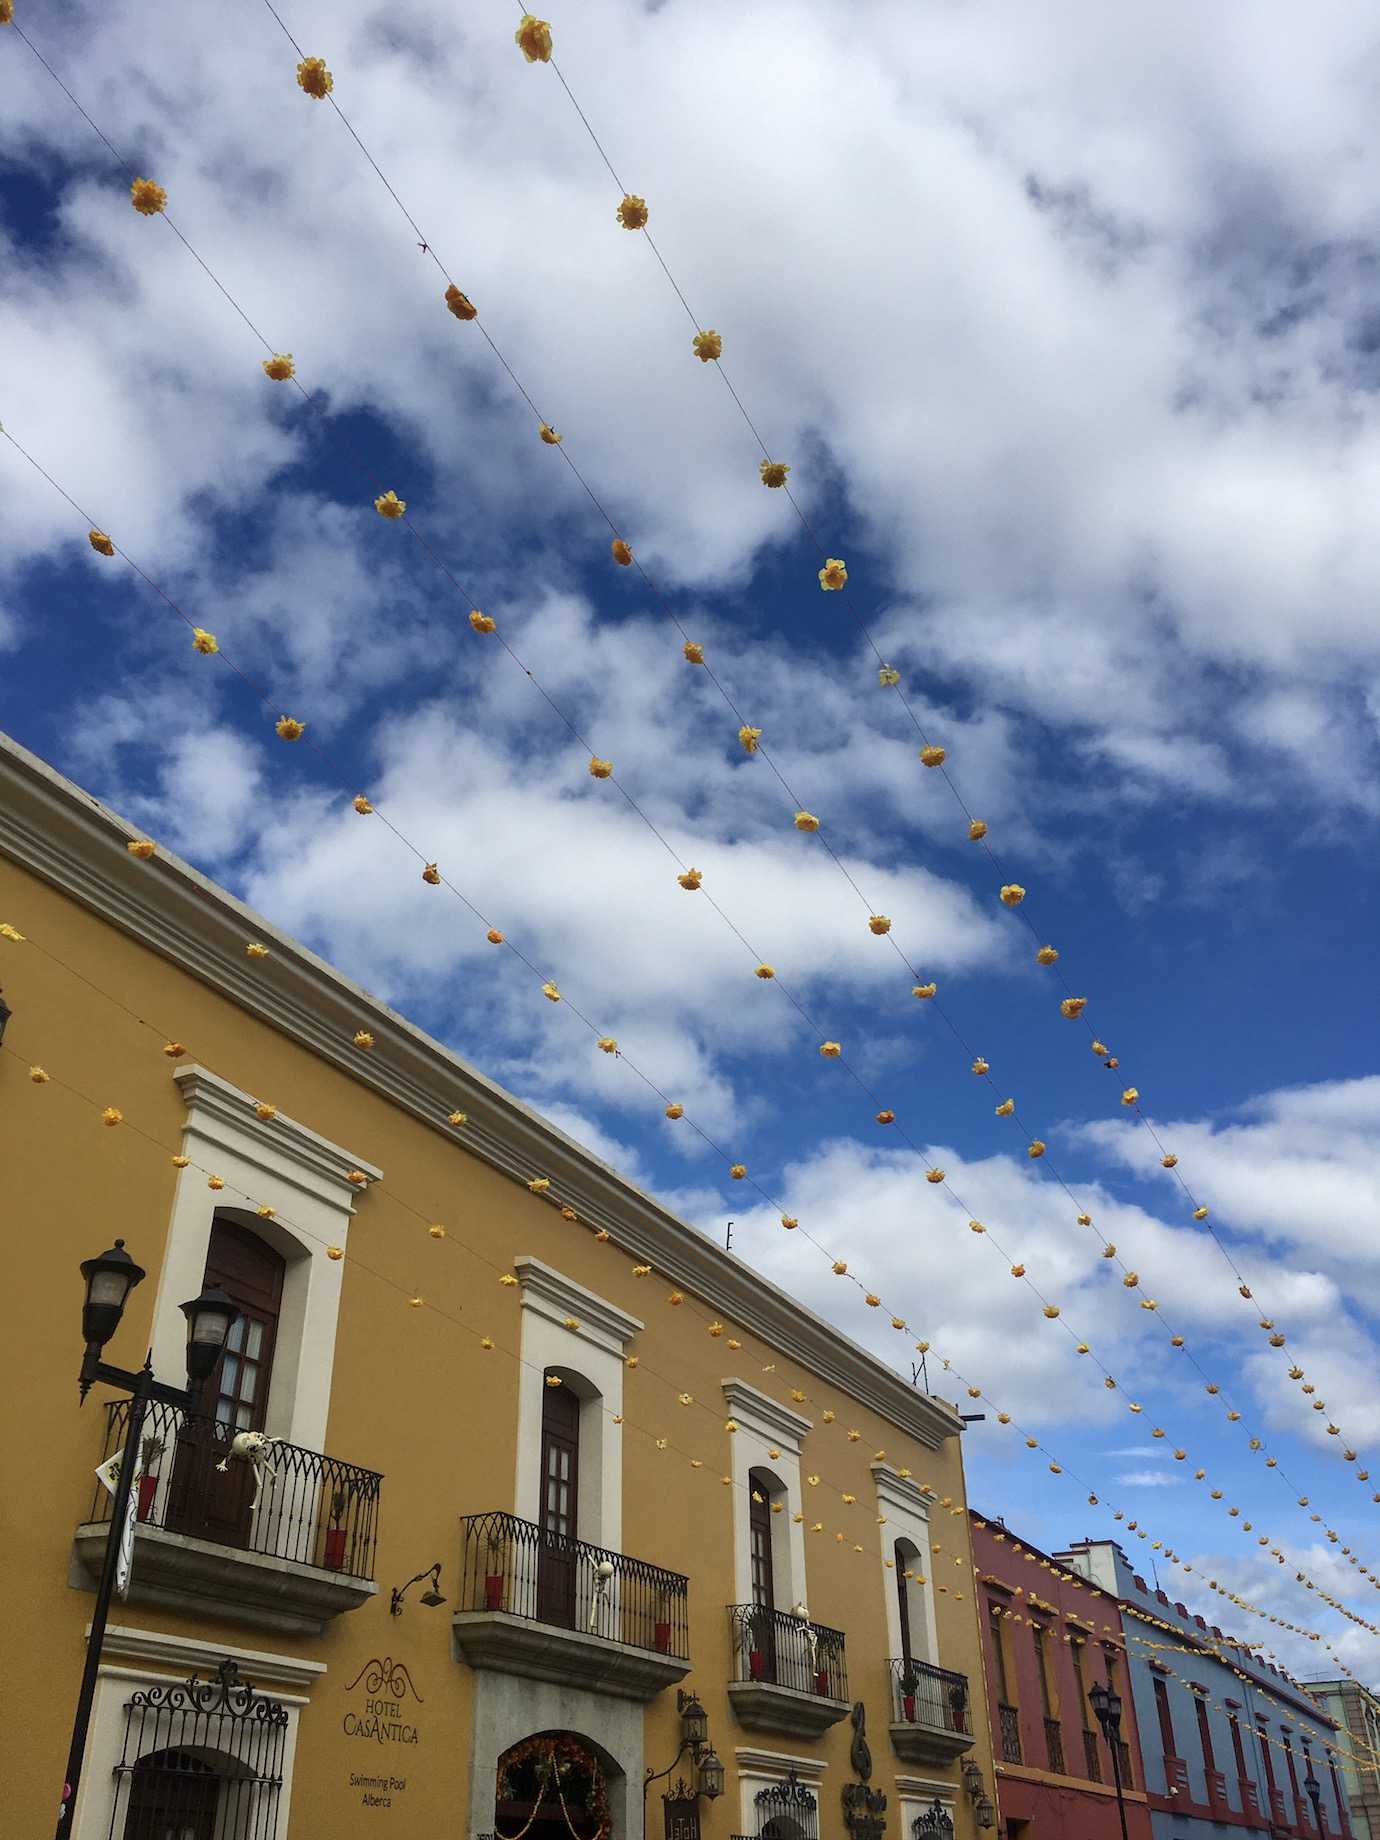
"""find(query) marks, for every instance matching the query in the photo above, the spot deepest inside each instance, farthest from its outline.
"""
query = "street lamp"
(210, 1318)
(1107, 1706)
(694, 1737)
(1313, 1790)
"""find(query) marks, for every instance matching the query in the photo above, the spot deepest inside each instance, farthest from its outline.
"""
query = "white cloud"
(1148, 1479)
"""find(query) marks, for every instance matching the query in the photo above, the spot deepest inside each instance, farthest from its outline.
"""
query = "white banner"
(108, 1474)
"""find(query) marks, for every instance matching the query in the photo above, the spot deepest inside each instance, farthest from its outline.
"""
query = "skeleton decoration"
(252, 1447)
(603, 1578)
(807, 1629)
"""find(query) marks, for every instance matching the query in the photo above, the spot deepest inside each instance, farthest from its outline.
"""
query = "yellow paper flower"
(266, 1212)
(1109, 1250)
(1130, 1096)
(976, 1226)
(432, 875)
(357, 1178)
(256, 949)
(707, 345)
(6, 12)
(1036, 1149)
(886, 1117)
(180, 1162)
(1046, 955)
(288, 728)
(363, 1039)
(13, 934)
(878, 924)
(934, 1175)
(633, 212)
(1013, 894)
(1018, 1271)
(977, 830)
(840, 1267)
(314, 78)
(833, 575)
(390, 505)
(280, 366)
(766, 971)
(675, 1299)
(550, 992)
(486, 1342)
(608, 1045)
(871, 1301)
(335, 1252)
(264, 1112)
(147, 198)
(457, 1118)
(600, 769)
(549, 435)
(1051, 1310)
(749, 738)
(1131, 1280)
(690, 879)
(774, 472)
(888, 677)
(641, 1271)
(215, 1182)
(693, 652)
(112, 1115)
(1200, 1213)
(361, 805)
(1072, 1007)
(806, 821)
(568, 1213)
(508, 1280)
(622, 555)
(539, 1184)
(1005, 1109)
(533, 39)
(980, 1067)
(932, 757)
(789, 1222)
(831, 1050)
(39, 1076)
(730, 1424)
(570, 1322)
(738, 1171)
(923, 990)
(100, 541)
(460, 304)
(174, 1050)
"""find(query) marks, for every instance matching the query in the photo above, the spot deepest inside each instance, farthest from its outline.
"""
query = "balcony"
(791, 1675)
(548, 1607)
(1054, 1746)
(930, 1718)
(1008, 1733)
(1092, 1758)
(288, 1550)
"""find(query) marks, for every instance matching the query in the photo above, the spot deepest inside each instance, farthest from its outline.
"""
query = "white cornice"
(315, 1162)
(188, 1656)
(759, 1412)
(60, 833)
(809, 1770)
(900, 1491)
(559, 1297)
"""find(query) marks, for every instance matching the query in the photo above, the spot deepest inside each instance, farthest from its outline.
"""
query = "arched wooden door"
(762, 1630)
(206, 1502)
(560, 1496)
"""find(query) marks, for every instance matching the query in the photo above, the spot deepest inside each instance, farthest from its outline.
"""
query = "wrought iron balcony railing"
(1092, 1757)
(922, 1694)
(1054, 1746)
(290, 1503)
(513, 1566)
(785, 1650)
(1009, 1733)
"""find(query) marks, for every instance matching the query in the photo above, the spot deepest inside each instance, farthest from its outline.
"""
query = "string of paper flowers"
(150, 199)
(540, 1185)
(535, 38)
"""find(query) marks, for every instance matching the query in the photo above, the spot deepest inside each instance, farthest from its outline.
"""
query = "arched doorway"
(553, 1786)
(173, 1796)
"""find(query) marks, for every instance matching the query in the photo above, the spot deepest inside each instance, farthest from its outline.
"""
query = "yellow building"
(639, 1470)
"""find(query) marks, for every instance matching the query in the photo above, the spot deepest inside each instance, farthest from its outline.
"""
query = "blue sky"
(1067, 330)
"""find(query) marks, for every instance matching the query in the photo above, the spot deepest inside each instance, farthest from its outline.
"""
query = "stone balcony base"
(508, 1644)
(761, 1705)
(934, 1744)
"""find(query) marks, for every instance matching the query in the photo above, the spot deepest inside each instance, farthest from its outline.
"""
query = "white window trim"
(302, 1176)
(915, 1795)
(766, 1426)
(133, 1659)
(595, 1350)
(906, 1508)
(759, 1769)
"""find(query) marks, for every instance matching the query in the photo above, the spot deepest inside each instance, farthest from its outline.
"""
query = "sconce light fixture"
(431, 1597)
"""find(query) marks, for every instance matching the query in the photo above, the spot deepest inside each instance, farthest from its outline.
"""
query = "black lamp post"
(1107, 1706)
(694, 1737)
(1313, 1790)
(210, 1318)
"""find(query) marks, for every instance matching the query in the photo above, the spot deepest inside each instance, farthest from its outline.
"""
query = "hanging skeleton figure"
(252, 1447)
(603, 1578)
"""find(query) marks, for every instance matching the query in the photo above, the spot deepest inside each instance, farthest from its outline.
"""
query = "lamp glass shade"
(109, 1280)
(432, 1598)
(710, 1775)
(1311, 1786)
(694, 1721)
(986, 1813)
(210, 1318)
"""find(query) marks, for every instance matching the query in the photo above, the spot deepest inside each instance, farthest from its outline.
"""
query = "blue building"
(1228, 1741)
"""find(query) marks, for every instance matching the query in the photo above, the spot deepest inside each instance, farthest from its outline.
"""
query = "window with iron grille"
(787, 1811)
(200, 1759)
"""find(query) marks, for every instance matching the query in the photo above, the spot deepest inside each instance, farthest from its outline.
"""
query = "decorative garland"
(554, 1758)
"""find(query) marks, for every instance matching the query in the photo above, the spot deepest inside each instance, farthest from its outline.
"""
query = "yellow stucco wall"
(414, 1395)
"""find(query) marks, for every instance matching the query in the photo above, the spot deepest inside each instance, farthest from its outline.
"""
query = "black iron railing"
(1054, 1746)
(513, 1565)
(922, 1694)
(1091, 1756)
(284, 1501)
(787, 1650)
(1123, 1751)
(1009, 1731)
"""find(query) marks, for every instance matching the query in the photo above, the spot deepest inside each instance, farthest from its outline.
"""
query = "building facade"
(1049, 1637)
(1357, 1713)
(501, 1464)
(1229, 1741)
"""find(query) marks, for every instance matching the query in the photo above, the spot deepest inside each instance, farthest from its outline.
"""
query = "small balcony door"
(762, 1628)
(205, 1502)
(560, 1483)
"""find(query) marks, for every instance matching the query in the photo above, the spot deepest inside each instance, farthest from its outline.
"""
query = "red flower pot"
(493, 1591)
(908, 1707)
(663, 1638)
(148, 1488)
(755, 1664)
(822, 1681)
(335, 1549)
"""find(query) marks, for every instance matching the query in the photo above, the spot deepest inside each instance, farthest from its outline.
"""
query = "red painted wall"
(1037, 1801)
